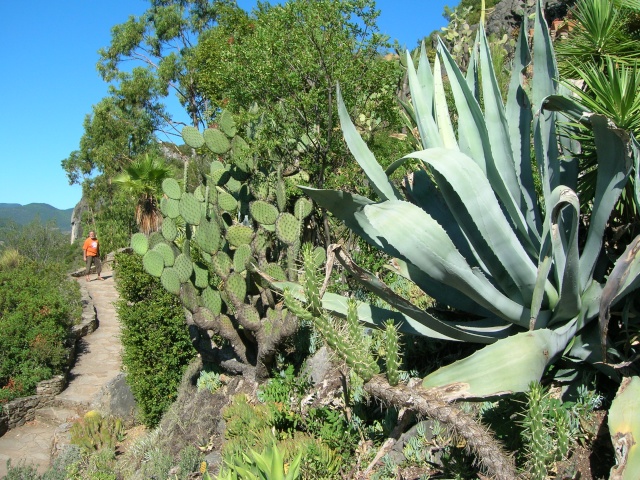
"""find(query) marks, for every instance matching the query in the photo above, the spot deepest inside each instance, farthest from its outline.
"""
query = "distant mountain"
(24, 214)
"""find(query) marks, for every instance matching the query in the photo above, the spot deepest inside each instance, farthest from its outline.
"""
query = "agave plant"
(469, 229)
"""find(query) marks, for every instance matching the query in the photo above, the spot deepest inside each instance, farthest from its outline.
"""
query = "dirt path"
(98, 362)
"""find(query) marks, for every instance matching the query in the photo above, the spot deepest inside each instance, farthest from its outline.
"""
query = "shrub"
(155, 339)
(38, 304)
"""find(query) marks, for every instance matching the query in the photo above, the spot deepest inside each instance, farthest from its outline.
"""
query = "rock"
(318, 365)
(116, 399)
(76, 219)
(507, 15)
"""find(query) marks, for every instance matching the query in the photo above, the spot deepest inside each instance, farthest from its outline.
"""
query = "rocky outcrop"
(507, 15)
(76, 219)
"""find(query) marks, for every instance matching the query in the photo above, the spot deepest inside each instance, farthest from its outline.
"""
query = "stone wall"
(21, 410)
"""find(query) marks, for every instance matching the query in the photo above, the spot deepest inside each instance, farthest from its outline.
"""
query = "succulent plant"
(470, 231)
(229, 233)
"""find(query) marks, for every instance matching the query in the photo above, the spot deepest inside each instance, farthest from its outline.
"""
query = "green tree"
(40, 243)
(161, 41)
(287, 59)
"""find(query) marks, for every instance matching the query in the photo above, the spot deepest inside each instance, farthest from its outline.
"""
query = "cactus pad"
(239, 235)
(192, 137)
(140, 243)
(236, 287)
(183, 267)
(221, 264)
(169, 229)
(171, 188)
(233, 185)
(287, 228)
(281, 195)
(170, 281)
(227, 123)
(155, 238)
(227, 202)
(211, 300)
(260, 186)
(263, 212)
(319, 256)
(302, 208)
(215, 166)
(172, 208)
(249, 315)
(241, 154)
(190, 209)
(199, 193)
(241, 258)
(220, 177)
(275, 271)
(201, 279)
(153, 263)
(216, 141)
(189, 296)
(208, 236)
(167, 253)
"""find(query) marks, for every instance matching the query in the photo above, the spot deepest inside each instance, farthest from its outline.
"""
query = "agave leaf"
(425, 76)
(348, 207)
(475, 142)
(497, 127)
(624, 278)
(422, 241)
(375, 285)
(507, 366)
(422, 106)
(519, 116)
(614, 166)
(545, 72)
(472, 201)
(443, 118)
(423, 192)
(363, 155)
(566, 207)
(569, 146)
(472, 132)
(443, 294)
(477, 331)
(624, 428)
(473, 74)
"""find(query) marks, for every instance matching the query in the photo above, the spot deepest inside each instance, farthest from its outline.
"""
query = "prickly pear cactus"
(217, 238)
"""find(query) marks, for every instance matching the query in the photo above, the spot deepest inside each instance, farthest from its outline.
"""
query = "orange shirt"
(91, 247)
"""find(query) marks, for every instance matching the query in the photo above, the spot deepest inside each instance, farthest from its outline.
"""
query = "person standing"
(91, 254)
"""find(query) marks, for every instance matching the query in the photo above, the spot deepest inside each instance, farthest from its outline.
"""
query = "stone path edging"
(98, 363)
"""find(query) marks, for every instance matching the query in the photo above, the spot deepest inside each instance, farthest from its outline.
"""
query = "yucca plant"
(470, 230)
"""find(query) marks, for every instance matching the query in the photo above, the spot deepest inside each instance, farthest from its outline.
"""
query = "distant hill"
(24, 214)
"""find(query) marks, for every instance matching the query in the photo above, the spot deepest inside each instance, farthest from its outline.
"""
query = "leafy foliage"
(38, 305)
(40, 243)
(156, 343)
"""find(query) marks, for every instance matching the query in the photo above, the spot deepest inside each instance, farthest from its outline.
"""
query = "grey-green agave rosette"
(470, 230)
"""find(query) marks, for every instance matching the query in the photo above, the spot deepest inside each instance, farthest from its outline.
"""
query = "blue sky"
(48, 81)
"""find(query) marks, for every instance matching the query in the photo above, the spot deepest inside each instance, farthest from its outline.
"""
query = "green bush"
(155, 339)
(38, 305)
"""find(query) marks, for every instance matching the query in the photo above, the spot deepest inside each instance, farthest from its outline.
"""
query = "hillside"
(24, 214)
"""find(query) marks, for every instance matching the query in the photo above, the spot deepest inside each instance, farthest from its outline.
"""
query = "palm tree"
(143, 179)
(602, 52)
